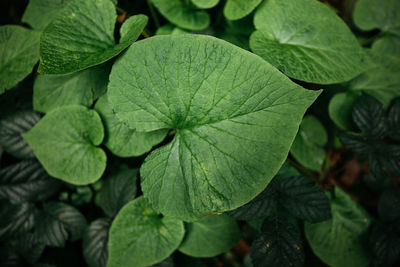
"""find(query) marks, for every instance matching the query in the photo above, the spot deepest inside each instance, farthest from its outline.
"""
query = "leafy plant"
(200, 132)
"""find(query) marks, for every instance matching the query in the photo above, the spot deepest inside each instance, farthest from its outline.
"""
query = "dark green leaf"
(237, 9)
(11, 128)
(18, 54)
(384, 241)
(377, 14)
(95, 242)
(388, 45)
(81, 88)
(39, 13)
(307, 146)
(231, 135)
(82, 195)
(65, 142)
(117, 190)
(394, 119)
(389, 205)
(210, 236)
(81, 36)
(26, 181)
(30, 247)
(9, 257)
(307, 41)
(140, 237)
(279, 245)
(340, 240)
(182, 14)
(369, 115)
(59, 222)
(355, 143)
(384, 158)
(120, 139)
(303, 198)
(16, 219)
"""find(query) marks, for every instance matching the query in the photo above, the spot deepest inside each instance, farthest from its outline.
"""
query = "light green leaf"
(81, 88)
(204, 4)
(183, 15)
(388, 46)
(117, 190)
(122, 140)
(210, 236)
(307, 146)
(81, 36)
(340, 240)
(65, 143)
(11, 128)
(19, 54)
(237, 9)
(165, 29)
(340, 108)
(39, 13)
(95, 242)
(382, 81)
(234, 118)
(59, 222)
(307, 41)
(378, 14)
(139, 236)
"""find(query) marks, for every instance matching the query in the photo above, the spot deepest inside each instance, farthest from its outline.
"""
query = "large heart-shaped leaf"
(59, 222)
(234, 118)
(120, 139)
(19, 54)
(82, 35)
(210, 236)
(39, 13)
(26, 181)
(65, 143)
(81, 88)
(339, 241)
(95, 242)
(183, 14)
(307, 146)
(11, 128)
(139, 236)
(378, 14)
(237, 9)
(307, 41)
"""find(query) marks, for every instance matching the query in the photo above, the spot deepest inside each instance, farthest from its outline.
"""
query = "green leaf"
(388, 45)
(19, 54)
(339, 241)
(95, 242)
(81, 88)
(65, 142)
(81, 36)
(307, 146)
(237, 9)
(39, 13)
(389, 205)
(303, 198)
(278, 245)
(210, 236)
(165, 29)
(26, 181)
(307, 41)
(369, 116)
(59, 222)
(384, 241)
(382, 81)
(394, 119)
(82, 195)
(204, 4)
(122, 140)
(234, 118)
(340, 109)
(30, 247)
(11, 128)
(140, 237)
(356, 143)
(16, 219)
(182, 14)
(117, 190)
(377, 14)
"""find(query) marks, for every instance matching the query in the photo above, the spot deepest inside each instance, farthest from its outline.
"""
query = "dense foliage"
(200, 133)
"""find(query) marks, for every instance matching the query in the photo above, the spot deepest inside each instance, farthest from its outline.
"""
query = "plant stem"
(153, 14)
